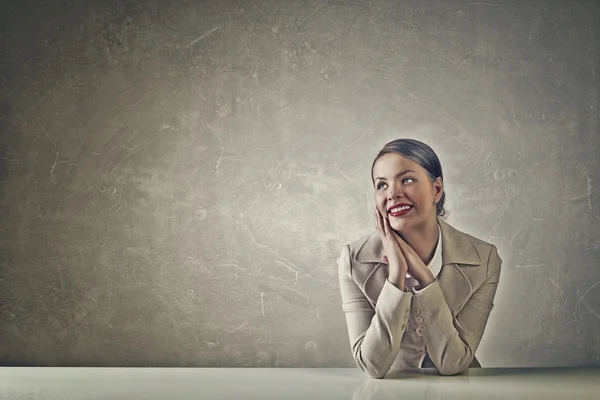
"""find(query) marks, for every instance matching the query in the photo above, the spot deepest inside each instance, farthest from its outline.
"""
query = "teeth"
(397, 209)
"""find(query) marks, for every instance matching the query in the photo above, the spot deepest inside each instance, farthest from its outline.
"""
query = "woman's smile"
(399, 210)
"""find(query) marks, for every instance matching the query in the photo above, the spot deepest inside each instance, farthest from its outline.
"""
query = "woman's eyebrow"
(401, 173)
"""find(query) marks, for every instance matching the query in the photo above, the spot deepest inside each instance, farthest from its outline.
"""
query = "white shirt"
(435, 265)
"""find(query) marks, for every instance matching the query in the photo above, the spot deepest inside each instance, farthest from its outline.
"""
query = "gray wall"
(178, 178)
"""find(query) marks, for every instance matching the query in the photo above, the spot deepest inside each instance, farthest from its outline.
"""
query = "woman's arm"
(451, 345)
(375, 334)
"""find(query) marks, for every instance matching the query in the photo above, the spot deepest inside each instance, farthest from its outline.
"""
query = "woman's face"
(400, 181)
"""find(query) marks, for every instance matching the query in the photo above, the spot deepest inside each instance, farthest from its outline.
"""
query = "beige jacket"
(440, 327)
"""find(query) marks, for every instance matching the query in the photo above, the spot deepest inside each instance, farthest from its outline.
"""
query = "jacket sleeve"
(375, 334)
(451, 345)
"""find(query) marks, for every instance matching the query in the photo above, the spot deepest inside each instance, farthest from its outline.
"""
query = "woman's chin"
(404, 225)
(399, 225)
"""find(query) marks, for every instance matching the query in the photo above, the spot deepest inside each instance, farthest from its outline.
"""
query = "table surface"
(296, 383)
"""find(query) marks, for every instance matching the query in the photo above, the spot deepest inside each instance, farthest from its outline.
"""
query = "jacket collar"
(456, 248)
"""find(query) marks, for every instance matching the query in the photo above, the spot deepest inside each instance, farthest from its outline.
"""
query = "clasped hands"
(400, 257)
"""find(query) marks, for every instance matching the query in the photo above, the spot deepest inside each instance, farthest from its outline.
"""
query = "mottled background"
(178, 177)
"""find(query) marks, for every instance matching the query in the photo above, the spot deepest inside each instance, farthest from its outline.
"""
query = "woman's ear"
(438, 186)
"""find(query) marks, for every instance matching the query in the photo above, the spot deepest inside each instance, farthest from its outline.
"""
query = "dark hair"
(423, 155)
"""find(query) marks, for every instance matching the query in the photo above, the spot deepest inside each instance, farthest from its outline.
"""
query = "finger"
(406, 248)
(386, 226)
(378, 223)
(407, 251)
(410, 255)
(380, 220)
(399, 239)
(383, 236)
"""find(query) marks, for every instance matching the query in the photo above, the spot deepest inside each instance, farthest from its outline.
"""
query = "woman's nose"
(394, 192)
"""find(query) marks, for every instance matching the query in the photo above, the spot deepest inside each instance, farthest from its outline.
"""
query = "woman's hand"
(393, 253)
(416, 267)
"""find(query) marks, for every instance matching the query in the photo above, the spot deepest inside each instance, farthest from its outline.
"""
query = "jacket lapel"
(456, 249)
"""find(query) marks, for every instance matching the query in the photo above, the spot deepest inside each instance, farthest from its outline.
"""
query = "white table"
(283, 383)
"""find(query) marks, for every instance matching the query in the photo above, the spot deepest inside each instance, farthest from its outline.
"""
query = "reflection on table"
(296, 383)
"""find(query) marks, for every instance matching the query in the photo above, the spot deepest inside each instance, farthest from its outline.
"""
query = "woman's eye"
(404, 180)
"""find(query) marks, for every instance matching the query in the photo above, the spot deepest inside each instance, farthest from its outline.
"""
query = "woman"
(416, 292)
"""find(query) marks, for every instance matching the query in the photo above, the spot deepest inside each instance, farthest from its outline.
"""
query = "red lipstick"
(402, 212)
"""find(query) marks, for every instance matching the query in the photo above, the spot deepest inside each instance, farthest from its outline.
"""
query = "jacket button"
(417, 311)
(420, 320)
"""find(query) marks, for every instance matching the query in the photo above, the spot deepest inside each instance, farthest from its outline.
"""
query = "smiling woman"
(417, 292)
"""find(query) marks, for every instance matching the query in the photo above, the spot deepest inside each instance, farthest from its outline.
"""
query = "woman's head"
(407, 171)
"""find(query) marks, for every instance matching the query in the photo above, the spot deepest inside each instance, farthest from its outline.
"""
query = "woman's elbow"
(451, 366)
(376, 374)
(373, 372)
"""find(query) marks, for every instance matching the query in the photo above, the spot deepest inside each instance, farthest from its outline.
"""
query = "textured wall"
(177, 178)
